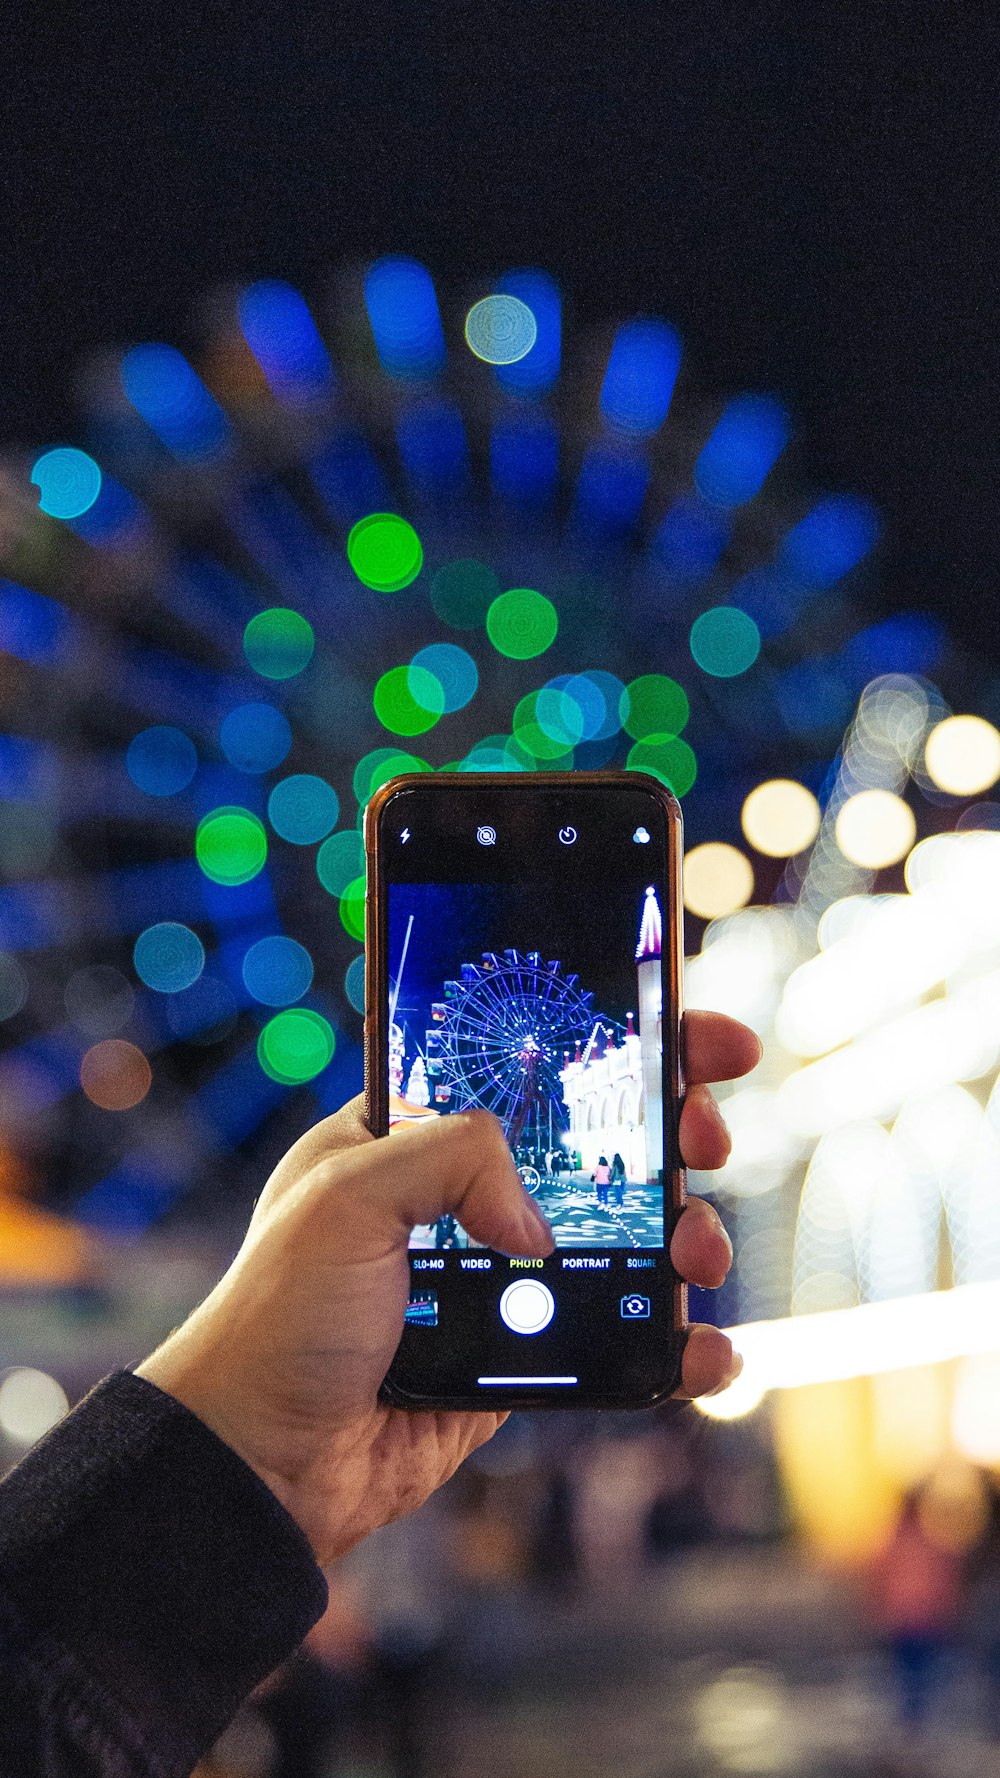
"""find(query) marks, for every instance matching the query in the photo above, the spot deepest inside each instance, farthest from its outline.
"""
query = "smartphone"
(524, 952)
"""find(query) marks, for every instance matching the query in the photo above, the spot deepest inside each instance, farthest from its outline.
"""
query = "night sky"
(810, 194)
(591, 928)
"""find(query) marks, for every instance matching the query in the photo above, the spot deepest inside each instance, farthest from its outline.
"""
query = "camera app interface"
(539, 999)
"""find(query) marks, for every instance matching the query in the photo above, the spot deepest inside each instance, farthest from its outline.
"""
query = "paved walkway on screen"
(578, 1220)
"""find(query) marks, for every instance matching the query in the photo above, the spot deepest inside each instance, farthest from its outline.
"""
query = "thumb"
(459, 1164)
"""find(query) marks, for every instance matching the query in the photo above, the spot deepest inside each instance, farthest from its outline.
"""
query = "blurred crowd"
(642, 1575)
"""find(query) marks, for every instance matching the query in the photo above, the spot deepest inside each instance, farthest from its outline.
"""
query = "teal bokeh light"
(69, 482)
(724, 641)
(303, 808)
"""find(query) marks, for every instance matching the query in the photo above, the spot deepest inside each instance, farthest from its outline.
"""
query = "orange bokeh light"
(115, 1075)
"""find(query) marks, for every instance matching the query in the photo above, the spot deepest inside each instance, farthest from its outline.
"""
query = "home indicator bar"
(534, 1381)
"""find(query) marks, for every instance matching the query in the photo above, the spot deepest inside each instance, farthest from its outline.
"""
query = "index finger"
(716, 1047)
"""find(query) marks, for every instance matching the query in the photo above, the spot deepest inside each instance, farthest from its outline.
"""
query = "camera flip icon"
(635, 1308)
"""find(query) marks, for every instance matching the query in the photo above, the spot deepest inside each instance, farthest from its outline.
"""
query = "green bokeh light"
(231, 845)
(522, 623)
(295, 1046)
(666, 757)
(463, 591)
(278, 643)
(653, 705)
(339, 860)
(376, 768)
(385, 552)
(724, 641)
(535, 737)
(352, 908)
(408, 700)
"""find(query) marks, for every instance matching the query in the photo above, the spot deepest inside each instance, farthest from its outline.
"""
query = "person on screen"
(601, 1177)
(618, 1178)
(162, 1548)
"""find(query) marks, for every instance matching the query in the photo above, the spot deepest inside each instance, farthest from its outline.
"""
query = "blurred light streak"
(537, 372)
(276, 323)
(172, 399)
(640, 376)
(742, 449)
(864, 1341)
(909, 642)
(115, 520)
(35, 628)
(403, 312)
(932, 1046)
(833, 538)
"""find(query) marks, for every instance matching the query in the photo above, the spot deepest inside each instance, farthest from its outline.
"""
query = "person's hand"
(284, 1359)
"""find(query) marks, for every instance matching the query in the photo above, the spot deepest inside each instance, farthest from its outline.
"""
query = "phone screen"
(528, 931)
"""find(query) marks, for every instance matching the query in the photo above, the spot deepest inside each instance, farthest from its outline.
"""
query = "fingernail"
(724, 1232)
(720, 1120)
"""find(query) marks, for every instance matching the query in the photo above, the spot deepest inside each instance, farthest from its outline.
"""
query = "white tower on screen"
(647, 958)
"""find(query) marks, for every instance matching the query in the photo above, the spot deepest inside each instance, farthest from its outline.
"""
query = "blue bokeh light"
(744, 445)
(277, 971)
(161, 760)
(455, 670)
(403, 312)
(831, 540)
(910, 642)
(69, 481)
(354, 983)
(283, 337)
(174, 402)
(303, 808)
(538, 370)
(255, 738)
(639, 380)
(168, 957)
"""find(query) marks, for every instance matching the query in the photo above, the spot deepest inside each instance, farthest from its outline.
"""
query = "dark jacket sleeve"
(148, 1581)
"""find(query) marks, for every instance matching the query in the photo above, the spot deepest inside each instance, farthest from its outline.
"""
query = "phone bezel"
(376, 1044)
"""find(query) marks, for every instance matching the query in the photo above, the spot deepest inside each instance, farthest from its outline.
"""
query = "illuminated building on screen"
(615, 1096)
